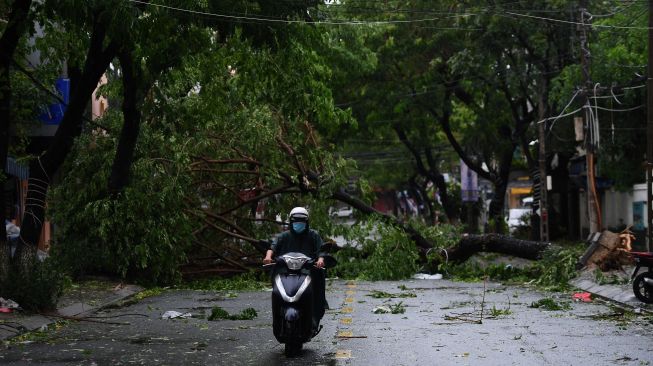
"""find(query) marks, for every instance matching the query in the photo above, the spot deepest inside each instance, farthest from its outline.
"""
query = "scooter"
(293, 300)
(643, 283)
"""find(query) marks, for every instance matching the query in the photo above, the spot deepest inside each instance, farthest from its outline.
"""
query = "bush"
(35, 286)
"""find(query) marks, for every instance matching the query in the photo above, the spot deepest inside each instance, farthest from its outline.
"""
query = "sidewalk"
(82, 299)
(615, 286)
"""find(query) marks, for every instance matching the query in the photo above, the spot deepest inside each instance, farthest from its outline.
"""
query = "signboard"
(468, 183)
(53, 114)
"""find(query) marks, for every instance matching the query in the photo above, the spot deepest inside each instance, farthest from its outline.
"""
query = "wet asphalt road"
(441, 325)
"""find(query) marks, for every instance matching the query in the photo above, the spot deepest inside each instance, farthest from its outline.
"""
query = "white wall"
(617, 208)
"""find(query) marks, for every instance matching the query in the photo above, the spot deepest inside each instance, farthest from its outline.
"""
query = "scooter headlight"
(295, 263)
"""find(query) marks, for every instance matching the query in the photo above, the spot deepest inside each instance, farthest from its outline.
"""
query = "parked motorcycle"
(293, 300)
(643, 283)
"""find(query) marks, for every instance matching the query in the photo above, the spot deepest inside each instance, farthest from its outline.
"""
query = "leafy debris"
(387, 295)
(550, 304)
(220, 313)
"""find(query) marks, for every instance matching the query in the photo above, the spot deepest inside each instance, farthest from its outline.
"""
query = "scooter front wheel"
(643, 290)
(293, 349)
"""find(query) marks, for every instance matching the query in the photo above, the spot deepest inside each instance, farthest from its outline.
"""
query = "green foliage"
(499, 312)
(387, 253)
(245, 282)
(218, 313)
(394, 256)
(550, 305)
(144, 231)
(154, 291)
(557, 267)
(398, 308)
(474, 272)
(553, 272)
(42, 334)
(35, 286)
(386, 295)
(611, 279)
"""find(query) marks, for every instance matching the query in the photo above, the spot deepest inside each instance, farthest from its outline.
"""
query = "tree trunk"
(500, 188)
(495, 243)
(132, 88)
(431, 173)
(610, 251)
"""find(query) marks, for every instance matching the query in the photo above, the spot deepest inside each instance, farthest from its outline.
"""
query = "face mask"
(298, 227)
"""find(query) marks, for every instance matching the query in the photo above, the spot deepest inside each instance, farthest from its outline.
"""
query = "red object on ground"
(5, 310)
(582, 296)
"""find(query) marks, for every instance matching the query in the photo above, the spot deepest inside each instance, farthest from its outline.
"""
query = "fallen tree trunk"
(496, 243)
(467, 246)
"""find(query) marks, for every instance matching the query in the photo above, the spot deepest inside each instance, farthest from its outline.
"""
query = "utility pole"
(649, 130)
(544, 214)
(593, 208)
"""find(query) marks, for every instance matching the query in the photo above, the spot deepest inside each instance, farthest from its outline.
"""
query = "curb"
(613, 293)
(16, 324)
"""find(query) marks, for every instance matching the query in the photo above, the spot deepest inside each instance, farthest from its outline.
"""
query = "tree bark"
(495, 243)
(132, 91)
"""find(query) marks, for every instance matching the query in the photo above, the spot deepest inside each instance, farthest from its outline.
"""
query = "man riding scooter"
(300, 238)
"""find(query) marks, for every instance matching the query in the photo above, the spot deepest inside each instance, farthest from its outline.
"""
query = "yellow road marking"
(345, 334)
(346, 320)
(343, 353)
(351, 285)
(350, 292)
(349, 299)
(347, 310)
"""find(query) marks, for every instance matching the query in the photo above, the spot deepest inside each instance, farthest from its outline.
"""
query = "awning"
(17, 169)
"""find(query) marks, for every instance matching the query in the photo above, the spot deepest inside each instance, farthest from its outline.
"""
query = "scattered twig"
(115, 316)
(81, 319)
(470, 317)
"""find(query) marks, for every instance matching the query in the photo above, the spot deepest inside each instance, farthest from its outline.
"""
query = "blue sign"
(53, 114)
(639, 209)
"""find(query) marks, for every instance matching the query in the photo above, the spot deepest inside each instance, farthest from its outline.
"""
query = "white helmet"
(298, 214)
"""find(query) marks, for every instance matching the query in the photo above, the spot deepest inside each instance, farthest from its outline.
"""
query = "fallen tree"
(467, 246)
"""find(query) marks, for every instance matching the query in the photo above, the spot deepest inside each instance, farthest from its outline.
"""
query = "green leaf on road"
(220, 313)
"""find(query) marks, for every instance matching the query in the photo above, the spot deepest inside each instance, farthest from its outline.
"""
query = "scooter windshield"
(295, 261)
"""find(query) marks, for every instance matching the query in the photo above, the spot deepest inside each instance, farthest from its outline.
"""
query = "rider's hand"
(267, 260)
(319, 263)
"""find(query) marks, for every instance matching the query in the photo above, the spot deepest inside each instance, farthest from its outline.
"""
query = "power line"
(284, 21)
(576, 23)
(620, 110)
(263, 19)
